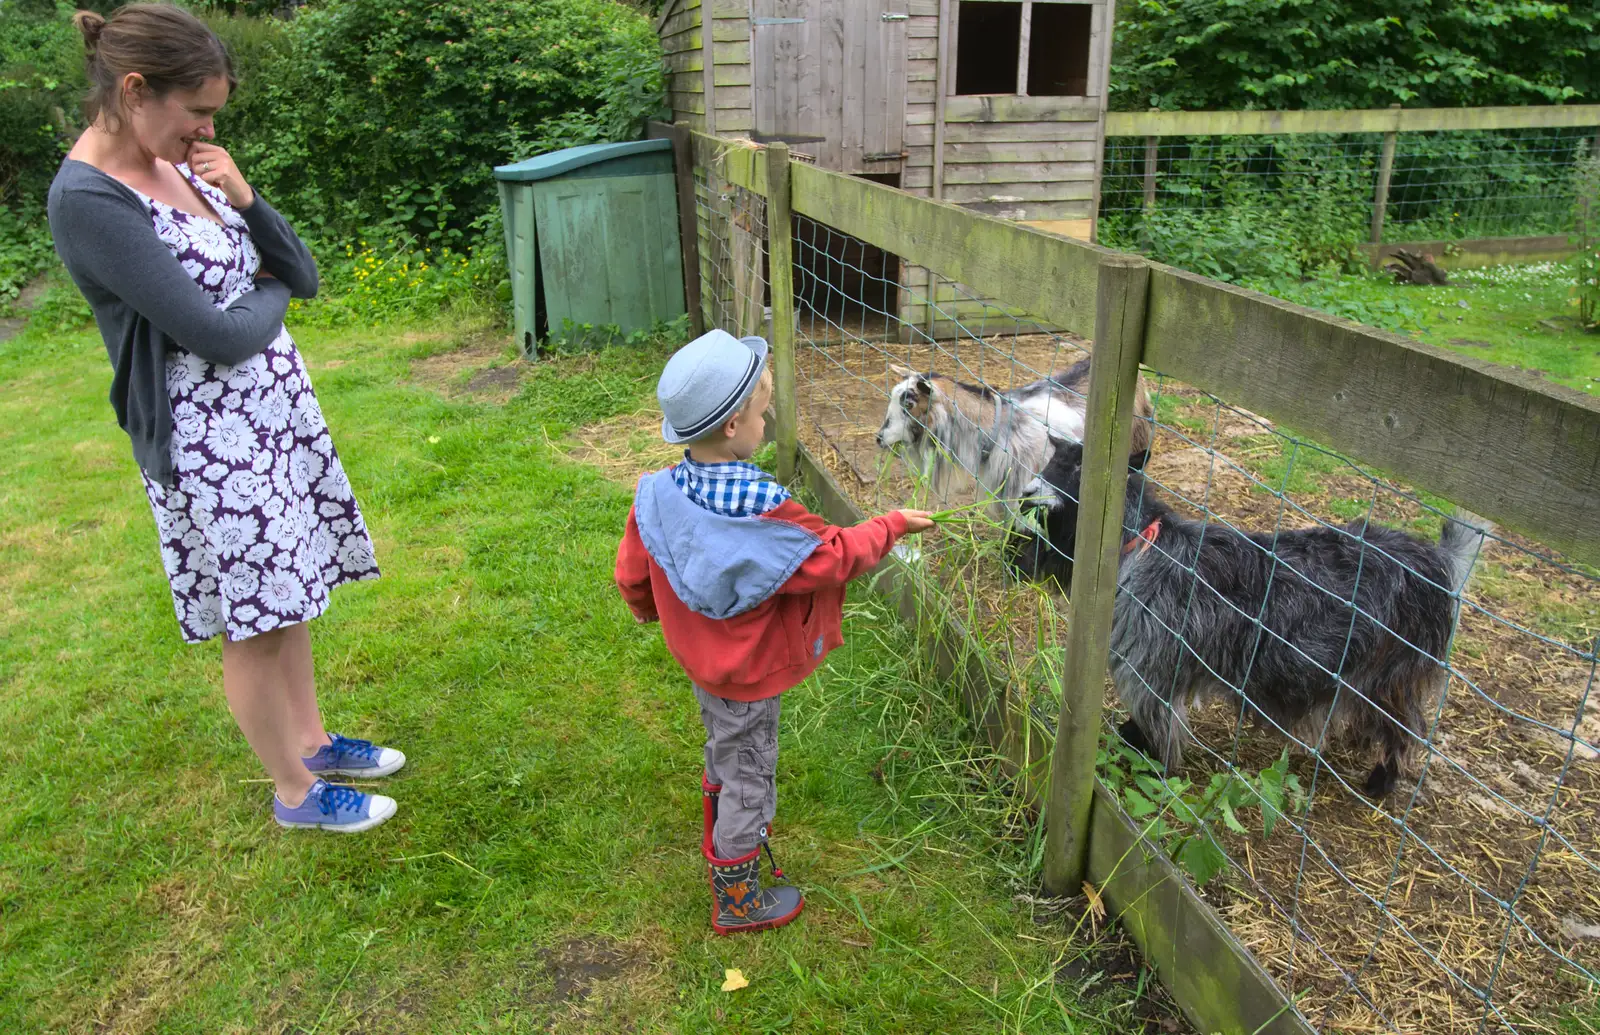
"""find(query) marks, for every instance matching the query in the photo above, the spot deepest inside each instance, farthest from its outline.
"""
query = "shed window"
(987, 46)
(1058, 50)
(1038, 49)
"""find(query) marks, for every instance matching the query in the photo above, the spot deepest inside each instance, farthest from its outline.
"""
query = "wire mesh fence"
(1466, 898)
(1443, 185)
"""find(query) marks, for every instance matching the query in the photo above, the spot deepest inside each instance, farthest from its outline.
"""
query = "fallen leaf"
(854, 943)
(735, 980)
(433, 438)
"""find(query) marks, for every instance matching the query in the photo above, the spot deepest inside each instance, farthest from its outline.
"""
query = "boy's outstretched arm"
(848, 553)
(633, 573)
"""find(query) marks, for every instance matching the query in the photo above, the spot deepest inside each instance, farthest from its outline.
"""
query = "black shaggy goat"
(1271, 617)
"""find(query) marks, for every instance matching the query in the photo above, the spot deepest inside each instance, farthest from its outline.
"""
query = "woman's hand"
(215, 166)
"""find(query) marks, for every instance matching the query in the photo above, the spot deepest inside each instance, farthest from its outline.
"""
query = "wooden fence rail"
(1375, 120)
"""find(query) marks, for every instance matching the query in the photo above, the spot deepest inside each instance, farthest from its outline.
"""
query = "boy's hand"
(917, 521)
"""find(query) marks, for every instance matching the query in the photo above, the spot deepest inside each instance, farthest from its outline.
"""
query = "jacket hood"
(718, 566)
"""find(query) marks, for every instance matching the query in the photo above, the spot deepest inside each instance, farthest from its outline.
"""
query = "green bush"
(361, 120)
(1200, 55)
(389, 116)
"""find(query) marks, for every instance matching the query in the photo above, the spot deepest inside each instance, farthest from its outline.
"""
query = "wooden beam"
(1099, 76)
(1124, 282)
(947, 29)
(1380, 192)
(1024, 34)
(1151, 145)
(1039, 273)
(1516, 449)
(708, 69)
(1380, 120)
(688, 218)
(780, 273)
(1007, 108)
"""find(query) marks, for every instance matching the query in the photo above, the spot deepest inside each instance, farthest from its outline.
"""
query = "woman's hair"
(168, 46)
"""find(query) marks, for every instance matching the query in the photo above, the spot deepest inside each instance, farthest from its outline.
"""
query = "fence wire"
(1467, 899)
(1320, 188)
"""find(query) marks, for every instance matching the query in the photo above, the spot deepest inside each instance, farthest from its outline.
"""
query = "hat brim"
(757, 345)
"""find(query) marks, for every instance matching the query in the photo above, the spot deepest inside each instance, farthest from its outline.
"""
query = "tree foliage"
(1222, 55)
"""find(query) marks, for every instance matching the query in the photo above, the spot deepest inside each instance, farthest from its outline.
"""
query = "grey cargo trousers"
(741, 755)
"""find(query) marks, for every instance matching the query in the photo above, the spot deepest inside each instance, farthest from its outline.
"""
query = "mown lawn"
(543, 872)
(1523, 316)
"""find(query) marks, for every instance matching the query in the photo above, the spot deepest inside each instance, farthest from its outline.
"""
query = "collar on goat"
(1146, 538)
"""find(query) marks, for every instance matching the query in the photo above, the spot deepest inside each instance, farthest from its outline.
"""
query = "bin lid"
(543, 167)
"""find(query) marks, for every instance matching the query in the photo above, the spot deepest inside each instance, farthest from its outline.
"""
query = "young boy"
(749, 588)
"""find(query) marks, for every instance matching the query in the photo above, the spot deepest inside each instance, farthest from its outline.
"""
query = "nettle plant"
(1178, 815)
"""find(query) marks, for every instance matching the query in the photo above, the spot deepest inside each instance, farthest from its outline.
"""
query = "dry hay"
(1488, 770)
(623, 447)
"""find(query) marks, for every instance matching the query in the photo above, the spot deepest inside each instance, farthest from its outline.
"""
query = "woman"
(189, 273)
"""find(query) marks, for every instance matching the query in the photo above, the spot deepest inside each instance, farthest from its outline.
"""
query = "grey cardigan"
(145, 304)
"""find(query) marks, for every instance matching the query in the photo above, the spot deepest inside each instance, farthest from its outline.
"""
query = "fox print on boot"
(738, 901)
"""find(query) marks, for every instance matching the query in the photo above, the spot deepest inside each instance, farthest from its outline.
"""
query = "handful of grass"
(956, 513)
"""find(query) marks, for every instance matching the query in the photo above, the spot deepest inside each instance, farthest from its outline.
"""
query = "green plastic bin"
(592, 237)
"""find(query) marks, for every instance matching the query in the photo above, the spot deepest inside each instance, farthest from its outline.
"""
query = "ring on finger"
(205, 167)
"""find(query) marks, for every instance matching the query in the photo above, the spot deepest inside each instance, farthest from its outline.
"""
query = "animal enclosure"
(1464, 900)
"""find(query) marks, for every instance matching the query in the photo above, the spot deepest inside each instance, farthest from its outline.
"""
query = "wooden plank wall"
(682, 39)
(1028, 159)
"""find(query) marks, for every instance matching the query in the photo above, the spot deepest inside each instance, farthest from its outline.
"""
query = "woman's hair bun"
(90, 23)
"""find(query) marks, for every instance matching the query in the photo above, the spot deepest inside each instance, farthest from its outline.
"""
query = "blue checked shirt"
(731, 489)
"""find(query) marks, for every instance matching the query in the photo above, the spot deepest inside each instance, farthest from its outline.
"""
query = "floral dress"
(261, 523)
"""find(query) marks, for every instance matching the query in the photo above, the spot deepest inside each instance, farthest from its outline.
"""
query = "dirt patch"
(581, 978)
(480, 368)
(577, 965)
(1396, 919)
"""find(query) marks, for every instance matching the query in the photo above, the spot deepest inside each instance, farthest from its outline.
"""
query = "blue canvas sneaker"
(330, 806)
(347, 757)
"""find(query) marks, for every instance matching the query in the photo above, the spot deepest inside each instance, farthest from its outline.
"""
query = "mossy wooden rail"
(1375, 120)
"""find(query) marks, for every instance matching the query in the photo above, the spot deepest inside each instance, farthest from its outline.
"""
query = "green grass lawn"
(1522, 316)
(543, 872)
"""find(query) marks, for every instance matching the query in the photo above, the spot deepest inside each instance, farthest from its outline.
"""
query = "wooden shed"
(992, 104)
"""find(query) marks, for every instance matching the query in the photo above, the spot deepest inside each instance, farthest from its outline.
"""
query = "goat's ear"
(924, 386)
(1137, 461)
(901, 372)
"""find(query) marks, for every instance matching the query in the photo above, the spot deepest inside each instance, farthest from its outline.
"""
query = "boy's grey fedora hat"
(706, 382)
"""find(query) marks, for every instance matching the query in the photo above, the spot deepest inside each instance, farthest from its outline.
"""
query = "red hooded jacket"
(771, 646)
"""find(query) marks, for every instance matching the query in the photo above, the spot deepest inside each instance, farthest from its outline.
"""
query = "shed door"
(829, 79)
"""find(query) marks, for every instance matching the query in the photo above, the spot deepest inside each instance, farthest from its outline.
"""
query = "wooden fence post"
(1380, 194)
(780, 276)
(688, 224)
(1150, 150)
(1120, 297)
